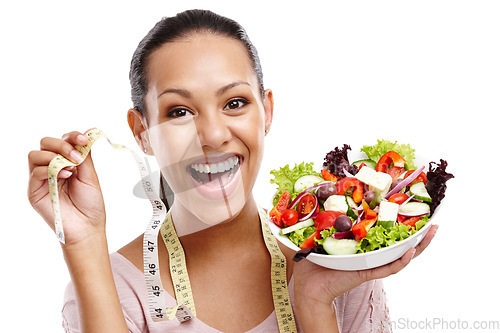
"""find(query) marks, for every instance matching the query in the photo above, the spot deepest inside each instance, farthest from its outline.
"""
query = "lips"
(215, 176)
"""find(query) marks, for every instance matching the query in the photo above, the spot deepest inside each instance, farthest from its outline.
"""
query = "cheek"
(251, 133)
(171, 146)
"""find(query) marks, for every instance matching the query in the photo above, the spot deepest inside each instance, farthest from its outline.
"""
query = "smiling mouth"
(216, 174)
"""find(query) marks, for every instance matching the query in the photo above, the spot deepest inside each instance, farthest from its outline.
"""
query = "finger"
(38, 179)
(392, 268)
(40, 173)
(62, 147)
(75, 138)
(427, 239)
(39, 157)
(86, 170)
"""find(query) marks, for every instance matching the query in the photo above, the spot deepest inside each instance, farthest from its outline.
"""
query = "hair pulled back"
(184, 24)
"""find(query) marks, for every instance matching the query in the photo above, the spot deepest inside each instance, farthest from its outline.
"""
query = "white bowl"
(361, 261)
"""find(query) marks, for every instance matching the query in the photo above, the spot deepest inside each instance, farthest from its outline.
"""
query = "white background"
(425, 73)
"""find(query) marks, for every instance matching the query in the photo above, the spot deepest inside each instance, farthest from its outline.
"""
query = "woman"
(201, 109)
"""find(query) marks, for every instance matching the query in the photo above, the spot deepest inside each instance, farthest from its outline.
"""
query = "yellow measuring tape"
(57, 164)
(161, 221)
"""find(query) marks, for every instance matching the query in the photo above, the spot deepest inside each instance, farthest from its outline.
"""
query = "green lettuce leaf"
(383, 146)
(285, 177)
(299, 236)
(325, 234)
(379, 237)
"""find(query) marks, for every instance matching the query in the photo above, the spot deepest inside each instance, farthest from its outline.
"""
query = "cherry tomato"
(289, 217)
(398, 198)
(306, 205)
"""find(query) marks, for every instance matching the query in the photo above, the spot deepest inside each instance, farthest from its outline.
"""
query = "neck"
(242, 230)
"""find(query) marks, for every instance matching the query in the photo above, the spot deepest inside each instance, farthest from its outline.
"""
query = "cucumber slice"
(339, 246)
(420, 192)
(297, 226)
(414, 209)
(305, 182)
(369, 163)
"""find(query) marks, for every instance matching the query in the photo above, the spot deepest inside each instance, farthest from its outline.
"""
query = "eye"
(178, 113)
(235, 103)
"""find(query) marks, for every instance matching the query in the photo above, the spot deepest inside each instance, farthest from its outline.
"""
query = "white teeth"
(216, 167)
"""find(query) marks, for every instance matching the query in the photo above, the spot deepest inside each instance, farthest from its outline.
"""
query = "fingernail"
(76, 156)
(81, 137)
(413, 254)
(65, 174)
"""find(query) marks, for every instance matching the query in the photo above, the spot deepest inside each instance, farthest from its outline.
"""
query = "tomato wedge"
(420, 178)
(326, 219)
(412, 221)
(398, 198)
(395, 172)
(306, 205)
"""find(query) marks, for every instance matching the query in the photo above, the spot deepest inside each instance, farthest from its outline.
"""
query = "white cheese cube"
(336, 203)
(380, 181)
(388, 211)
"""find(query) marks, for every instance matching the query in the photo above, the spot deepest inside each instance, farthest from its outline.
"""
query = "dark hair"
(184, 24)
(170, 29)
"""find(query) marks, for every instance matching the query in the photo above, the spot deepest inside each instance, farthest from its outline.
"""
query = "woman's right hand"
(80, 196)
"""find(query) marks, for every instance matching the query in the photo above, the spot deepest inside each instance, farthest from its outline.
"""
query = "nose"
(213, 130)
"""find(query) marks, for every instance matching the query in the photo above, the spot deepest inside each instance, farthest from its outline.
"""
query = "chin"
(210, 211)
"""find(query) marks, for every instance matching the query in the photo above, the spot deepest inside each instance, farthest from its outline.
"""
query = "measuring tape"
(279, 285)
(161, 221)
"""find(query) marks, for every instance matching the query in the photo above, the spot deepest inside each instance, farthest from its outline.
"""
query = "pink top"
(362, 309)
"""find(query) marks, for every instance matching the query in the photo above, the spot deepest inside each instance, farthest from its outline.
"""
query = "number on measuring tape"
(161, 222)
(157, 306)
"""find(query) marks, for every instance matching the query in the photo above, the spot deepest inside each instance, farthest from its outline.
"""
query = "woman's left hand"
(317, 286)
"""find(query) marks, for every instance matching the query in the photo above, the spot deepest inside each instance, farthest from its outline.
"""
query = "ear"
(268, 108)
(138, 126)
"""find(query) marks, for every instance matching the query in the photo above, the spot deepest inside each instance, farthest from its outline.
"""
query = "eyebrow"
(187, 94)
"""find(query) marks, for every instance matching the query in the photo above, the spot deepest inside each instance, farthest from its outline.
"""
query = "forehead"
(200, 60)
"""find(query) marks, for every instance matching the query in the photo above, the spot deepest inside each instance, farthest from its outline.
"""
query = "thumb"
(86, 172)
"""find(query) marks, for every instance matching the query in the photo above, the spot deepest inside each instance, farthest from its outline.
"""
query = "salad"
(357, 207)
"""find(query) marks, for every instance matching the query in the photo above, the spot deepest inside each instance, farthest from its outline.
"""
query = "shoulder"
(132, 252)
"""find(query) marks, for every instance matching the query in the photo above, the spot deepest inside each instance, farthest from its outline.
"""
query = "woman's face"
(206, 123)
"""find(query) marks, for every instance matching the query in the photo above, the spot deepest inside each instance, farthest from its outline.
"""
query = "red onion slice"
(405, 182)
(301, 194)
(407, 200)
(343, 235)
(415, 214)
